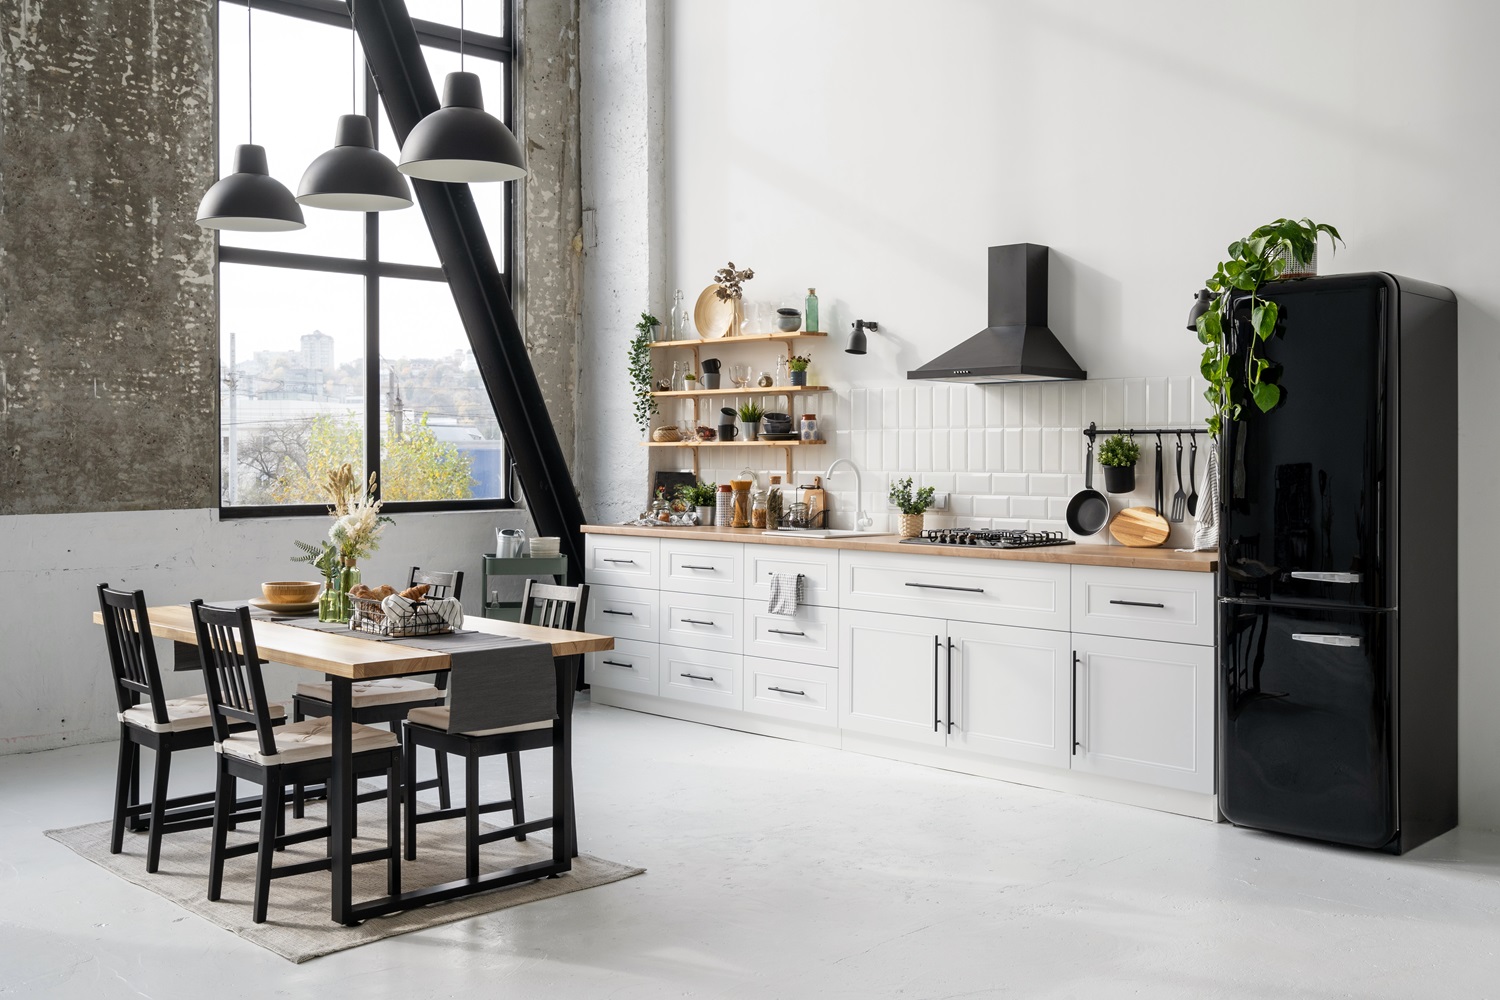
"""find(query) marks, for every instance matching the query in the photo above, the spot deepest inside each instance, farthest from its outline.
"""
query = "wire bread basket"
(369, 615)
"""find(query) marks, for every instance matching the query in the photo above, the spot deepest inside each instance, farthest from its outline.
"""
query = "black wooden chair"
(276, 756)
(385, 701)
(460, 728)
(148, 718)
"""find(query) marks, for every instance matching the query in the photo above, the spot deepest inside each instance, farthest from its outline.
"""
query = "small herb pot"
(910, 525)
(751, 429)
(1119, 478)
(706, 515)
(799, 378)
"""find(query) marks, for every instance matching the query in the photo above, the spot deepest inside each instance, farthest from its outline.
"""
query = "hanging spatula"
(1193, 475)
(1179, 499)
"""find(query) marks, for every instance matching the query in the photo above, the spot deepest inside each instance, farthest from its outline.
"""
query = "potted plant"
(798, 365)
(1284, 248)
(1118, 455)
(750, 414)
(640, 371)
(911, 504)
(701, 496)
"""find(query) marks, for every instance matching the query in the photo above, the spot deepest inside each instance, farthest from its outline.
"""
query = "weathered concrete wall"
(550, 207)
(107, 310)
(624, 197)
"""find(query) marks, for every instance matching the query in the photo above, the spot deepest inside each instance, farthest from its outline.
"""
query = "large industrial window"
(341, 342)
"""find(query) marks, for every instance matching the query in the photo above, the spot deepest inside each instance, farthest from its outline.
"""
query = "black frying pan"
(1088, 511)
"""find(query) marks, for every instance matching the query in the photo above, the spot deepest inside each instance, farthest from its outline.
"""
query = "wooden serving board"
(1139, 527)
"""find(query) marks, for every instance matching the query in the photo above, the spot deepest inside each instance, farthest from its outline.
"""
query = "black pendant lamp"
(460, 143)
(250, 200)
(353, 176)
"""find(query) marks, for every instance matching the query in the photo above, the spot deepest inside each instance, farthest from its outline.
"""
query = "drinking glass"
(739, 375)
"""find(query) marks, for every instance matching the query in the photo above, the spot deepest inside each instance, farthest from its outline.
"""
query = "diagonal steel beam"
(408, 94)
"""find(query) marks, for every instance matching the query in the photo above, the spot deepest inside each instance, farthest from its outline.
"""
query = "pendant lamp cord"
(250, 66)
(460, 36)
(353, 63)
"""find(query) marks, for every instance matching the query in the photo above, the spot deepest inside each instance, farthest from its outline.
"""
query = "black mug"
(727, 432)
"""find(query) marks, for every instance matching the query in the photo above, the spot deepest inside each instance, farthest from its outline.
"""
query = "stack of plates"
(546, 547)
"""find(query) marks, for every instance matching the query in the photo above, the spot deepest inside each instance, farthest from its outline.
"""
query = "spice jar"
(741, 517)
(809, 427)
(758, 510)
(724, 510)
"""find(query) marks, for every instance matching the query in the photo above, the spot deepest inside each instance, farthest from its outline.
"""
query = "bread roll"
(415, 593)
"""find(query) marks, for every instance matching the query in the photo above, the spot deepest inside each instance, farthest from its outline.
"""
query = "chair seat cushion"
(307, 740)
(381, 691)
(436, 717)
(182, 713)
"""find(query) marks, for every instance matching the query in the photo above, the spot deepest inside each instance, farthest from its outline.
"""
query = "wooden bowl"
(291, 591)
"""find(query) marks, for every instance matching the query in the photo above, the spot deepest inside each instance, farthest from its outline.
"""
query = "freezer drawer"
(1305, 722)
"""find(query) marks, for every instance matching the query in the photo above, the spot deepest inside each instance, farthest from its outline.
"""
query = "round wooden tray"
(1139, 527)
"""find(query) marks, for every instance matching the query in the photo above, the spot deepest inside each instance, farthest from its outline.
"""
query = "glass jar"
(741, 516)
(809, 430)
(773, 508)
(661, 510)
(758, 510)
(724, 509)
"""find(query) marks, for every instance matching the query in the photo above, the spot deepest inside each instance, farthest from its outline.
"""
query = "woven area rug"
(297, 924)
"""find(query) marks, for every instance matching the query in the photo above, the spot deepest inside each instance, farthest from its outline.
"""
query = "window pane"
(404, 238)
(442, 441)
(484, 16)
(302, 84)
(291, 364)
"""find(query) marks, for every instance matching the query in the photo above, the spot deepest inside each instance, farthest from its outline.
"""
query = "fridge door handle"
(1324, 639)
(1303, 574)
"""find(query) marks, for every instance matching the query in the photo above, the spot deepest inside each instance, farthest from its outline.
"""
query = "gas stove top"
(986, 538)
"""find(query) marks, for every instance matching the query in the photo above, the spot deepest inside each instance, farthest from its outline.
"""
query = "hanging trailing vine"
(1260, 257)
(640, 371)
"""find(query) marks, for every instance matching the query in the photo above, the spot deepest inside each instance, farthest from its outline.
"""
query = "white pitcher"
(510, 542)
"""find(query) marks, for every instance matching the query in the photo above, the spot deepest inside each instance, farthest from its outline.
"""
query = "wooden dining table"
(346, 657)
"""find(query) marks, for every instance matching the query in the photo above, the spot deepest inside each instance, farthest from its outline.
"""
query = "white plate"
(287, 609)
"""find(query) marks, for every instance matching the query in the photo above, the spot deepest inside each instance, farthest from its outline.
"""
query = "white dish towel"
(786, 593)
(1206, 528)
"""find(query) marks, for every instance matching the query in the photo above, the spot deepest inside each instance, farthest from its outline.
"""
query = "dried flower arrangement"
(355, 512)
(730, 281)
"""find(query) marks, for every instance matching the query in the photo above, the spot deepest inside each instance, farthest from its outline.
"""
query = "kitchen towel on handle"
(786, 594)
(1206, 530)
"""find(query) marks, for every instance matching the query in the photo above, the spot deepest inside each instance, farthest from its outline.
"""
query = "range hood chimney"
(1016, 346)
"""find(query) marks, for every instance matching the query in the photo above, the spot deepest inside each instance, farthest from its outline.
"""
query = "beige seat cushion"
(307, 740)
(182, 713)
(381, 691)
(436, 717)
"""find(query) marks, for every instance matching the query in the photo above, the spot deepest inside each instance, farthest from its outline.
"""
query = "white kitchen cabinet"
(630, 666)
(623, 612)
(702, 622)
(891, 681)
(1144, 710)
(622, 561)
(1032, 595)
(819, 569)
(803, 692)
(702, 676)
(1009, 692)
(1144, 604)
(694, 566)
(809, 636)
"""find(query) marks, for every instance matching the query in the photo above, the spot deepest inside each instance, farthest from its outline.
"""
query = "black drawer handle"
(611, 611)
(782, 631)
(686, 566)
(694, 621)
(786, 690)
(939, 586)
(696, 677)
(628, 562)
(617, 663)
(1139, 604)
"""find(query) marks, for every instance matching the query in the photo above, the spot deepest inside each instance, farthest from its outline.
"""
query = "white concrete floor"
(783, 870)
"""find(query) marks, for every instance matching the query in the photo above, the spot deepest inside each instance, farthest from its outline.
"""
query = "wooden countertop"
(1082, 554)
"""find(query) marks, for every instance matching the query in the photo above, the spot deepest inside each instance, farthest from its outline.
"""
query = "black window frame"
(370, 267)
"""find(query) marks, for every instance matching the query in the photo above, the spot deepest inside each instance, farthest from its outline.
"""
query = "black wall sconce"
(857, 343)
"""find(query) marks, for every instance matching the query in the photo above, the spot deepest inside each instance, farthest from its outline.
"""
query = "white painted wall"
(53, 665)
(876, 148)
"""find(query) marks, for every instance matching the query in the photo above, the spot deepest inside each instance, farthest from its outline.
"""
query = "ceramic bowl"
(291, 591)
(788, 320)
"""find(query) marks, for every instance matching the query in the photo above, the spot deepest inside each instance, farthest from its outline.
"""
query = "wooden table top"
(345, 654)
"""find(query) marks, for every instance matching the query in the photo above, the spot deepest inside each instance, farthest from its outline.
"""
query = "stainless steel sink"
(824, 532)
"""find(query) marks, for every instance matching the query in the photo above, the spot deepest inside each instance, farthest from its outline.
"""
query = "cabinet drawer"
(630, 666)
(819, 569)
(622, 560)
(1144, 604)
(701, 622)
(997, 591)
(701, 676)
(811, 635)
(697, 567)
(624, 612)
(801, 691)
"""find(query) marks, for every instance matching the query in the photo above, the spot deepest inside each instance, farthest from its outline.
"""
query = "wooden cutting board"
(1140, 527)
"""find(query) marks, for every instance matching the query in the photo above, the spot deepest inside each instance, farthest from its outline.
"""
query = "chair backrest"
(132, 654)
(440, 583)
(231, 671)
(551, 606)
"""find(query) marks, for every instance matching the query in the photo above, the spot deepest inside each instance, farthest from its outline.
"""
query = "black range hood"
(1016, 346)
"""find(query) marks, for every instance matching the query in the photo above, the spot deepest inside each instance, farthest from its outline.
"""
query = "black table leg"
(567, 675)
(341, 801)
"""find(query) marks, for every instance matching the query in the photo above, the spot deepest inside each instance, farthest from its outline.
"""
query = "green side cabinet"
(523, 566)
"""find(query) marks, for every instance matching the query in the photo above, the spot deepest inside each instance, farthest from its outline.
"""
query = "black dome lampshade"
(858, 342)
(1201, 304)
(460, 143)
(250, 200)
(353, 176)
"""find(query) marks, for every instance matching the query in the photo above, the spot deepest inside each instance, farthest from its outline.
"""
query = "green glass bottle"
(810, 315)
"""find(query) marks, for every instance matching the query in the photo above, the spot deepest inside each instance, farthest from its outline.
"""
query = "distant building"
(317, 351)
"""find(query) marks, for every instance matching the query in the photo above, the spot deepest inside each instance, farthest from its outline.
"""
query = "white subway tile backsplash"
(1011, 455)
(1135, 402)
(1051, 449)
(1046, 485)
(1031, 405)
(1012, 396)
(978, 460)
(958, 450)
(994, 448)
(978, 399)
(1009, 485)
(992, 506)
(1031, 447)
(958, 404)
(1051, 405)
(971, 483)
(923, 439)
(906, 413)
(940, 459)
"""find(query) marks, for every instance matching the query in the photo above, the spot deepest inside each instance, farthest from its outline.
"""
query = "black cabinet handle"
(617, 663)
(939, 586)
(696, 677)
(1139, 604)
(1073, 714)
(686, 566)
(786, 691)
(937, 641)
(782, 631)
(950, 685)
(628, 562)
(611, 611)
(694, 621)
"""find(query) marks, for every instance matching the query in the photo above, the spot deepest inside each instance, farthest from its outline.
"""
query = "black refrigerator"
(1338, 570)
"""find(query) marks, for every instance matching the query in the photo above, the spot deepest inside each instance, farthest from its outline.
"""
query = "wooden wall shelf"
(745, 338)
(749, 390)
(786, 447)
